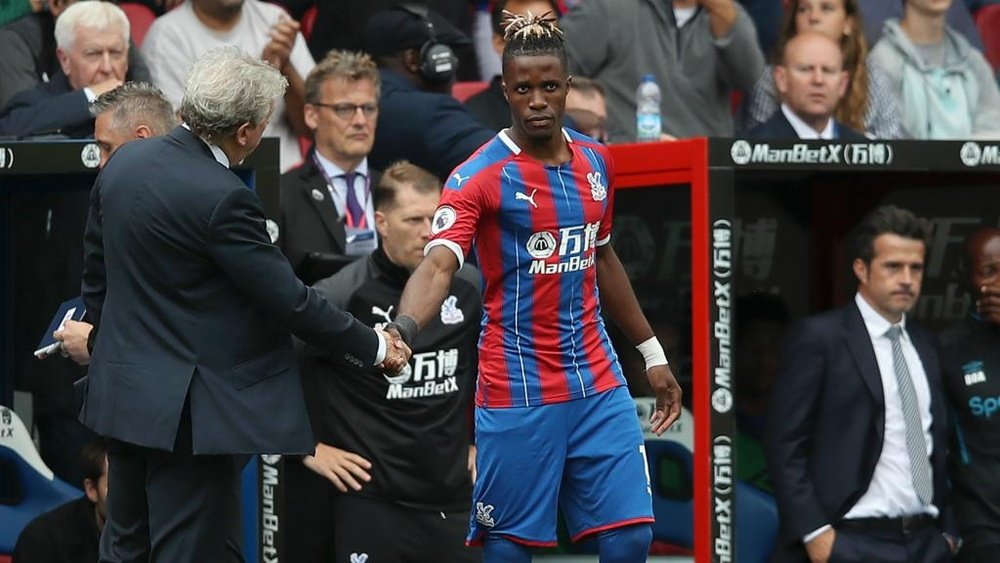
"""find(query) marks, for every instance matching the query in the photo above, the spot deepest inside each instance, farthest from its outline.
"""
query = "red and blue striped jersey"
(535, 229)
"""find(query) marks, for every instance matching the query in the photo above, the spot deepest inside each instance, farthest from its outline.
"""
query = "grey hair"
(226, 88)
(136, 103)
(99, 16)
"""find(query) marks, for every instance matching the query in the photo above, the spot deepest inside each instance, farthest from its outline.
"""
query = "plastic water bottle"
(647, 110)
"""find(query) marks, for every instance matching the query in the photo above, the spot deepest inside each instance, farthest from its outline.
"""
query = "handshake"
(398, 335)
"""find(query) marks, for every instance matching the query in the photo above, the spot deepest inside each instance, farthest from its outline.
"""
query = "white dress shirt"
(891, 493)
(804, 131)
(338, 188)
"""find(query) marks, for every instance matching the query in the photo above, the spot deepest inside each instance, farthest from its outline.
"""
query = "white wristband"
(652, 353)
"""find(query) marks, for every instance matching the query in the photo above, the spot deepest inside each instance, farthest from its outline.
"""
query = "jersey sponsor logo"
(521, 196)
(484, 514)
(598, 190)
(573, 245)
(450, 313)
(984, 407)
(974, 373)
(459, 179)
(444, 218)
(541, 244)
(431, 374)
(359, 557)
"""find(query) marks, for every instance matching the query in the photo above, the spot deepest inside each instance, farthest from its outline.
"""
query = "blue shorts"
(585, 457)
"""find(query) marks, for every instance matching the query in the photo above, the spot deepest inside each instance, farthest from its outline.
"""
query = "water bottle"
(647, 110)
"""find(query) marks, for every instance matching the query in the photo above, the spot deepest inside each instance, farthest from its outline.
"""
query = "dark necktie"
(916, 446)
(355, 213)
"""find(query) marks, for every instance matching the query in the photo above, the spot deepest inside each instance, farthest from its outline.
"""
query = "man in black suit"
(811, 80)
(318, 207)
(857, 427)
(193, 365)
(92, 40)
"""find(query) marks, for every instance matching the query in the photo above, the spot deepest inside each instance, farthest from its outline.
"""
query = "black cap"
(397, 29)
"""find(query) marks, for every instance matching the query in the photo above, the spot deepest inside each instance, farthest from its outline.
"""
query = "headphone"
(438, 62)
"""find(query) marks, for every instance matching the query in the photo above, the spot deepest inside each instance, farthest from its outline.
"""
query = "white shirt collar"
(876, 324)
(507, 140)
(804, 131)
(218, 153)
(332, 170)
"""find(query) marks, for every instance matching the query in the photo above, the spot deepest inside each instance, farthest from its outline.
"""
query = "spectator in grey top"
(700, 51)
(868, 105)
(944, 86)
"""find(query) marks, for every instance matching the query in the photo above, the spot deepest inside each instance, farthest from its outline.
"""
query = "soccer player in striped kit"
(555, 425)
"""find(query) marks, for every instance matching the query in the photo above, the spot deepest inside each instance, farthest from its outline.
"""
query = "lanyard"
(353, 222)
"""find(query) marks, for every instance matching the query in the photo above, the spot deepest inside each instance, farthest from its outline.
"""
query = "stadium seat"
(308, 22)
(670, 472)
(988, 22)
(27, 487)
(462, 91)
(140, 17)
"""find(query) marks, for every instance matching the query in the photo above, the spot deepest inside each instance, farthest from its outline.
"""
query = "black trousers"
(865, 543)
(323, 525)
(979, 554)
(172, 507)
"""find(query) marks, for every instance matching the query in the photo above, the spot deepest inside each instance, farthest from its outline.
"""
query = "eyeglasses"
(347, 111)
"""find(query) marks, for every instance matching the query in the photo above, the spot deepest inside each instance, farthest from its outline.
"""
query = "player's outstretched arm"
(424, 292)
(624, 309)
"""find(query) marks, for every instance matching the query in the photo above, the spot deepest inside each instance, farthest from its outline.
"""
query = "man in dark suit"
(418, 119)
(857, 427)
(193, 365)
(92, 40)
(331, 193)
(811, 80)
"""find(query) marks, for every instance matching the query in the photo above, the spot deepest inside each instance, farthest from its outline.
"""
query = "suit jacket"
(778, 127)
(192, 302)
(826, 423)
(29, 58)
(434, 131)
(309, 226)
(48, 107)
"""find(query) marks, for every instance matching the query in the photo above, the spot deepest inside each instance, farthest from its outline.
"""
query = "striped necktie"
(916, 446)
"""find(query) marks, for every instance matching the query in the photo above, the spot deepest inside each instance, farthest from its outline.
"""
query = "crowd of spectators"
(914, 69)
(823, 69)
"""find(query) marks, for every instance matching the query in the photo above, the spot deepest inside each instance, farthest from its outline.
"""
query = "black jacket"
(66, 534)
(777, 127)
(414, 428)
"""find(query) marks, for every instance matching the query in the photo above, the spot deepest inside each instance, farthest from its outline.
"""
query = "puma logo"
(384, 313)
(518, 196)
(459, 179)
(359, 557)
